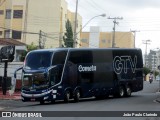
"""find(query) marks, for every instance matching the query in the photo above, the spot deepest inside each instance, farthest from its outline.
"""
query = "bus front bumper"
(45, 96)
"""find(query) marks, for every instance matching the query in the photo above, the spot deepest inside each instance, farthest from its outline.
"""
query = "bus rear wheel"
(120, 92)
(77, 95)
(128, 91)
(67, 96)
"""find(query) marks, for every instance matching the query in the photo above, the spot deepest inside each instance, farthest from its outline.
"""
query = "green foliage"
(156, 73)
(146, 70)
(68, 36)
(30, 47)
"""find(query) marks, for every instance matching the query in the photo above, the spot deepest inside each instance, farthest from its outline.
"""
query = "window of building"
(7, 33)
(1, 33)
(84, 40)
(17, 13)
(8, 14)
(1, 12)
(103, 41)
(16, 34)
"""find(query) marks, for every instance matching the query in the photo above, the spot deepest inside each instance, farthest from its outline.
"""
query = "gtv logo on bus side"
(120, 64)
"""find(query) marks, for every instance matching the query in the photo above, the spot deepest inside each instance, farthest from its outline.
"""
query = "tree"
(68, 36)
(156, 73)
(146, 71)
(30, 47)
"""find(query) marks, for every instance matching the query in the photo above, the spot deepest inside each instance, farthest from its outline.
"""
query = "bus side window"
(59, 58)
(58, 61)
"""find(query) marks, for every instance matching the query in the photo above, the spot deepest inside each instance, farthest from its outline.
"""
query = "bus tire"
(77, 95)
(128, 91)
(52, 101)
(42, 102)
(120, 92)
(67, 96)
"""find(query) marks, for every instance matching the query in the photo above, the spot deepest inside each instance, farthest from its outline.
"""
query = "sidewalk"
(15, 96)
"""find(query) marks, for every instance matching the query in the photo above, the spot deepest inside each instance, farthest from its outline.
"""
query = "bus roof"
(59, 49)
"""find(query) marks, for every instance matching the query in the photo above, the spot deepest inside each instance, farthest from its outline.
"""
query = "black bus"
(70, 73)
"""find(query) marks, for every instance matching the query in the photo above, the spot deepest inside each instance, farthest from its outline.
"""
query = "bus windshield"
(38, 60)
(36, 81)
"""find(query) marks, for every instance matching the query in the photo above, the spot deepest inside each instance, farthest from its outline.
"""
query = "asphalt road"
(139, 101)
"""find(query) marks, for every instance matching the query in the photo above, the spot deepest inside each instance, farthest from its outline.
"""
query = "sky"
(140, 15)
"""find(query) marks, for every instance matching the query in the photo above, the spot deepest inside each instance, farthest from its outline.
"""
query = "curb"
(11, 98)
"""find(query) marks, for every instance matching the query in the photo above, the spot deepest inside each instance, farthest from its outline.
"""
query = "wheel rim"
(78, 95)
(121, 92)
(67, 96)
(128, 91)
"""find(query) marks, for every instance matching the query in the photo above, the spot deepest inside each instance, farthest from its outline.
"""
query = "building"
(39, 21)
(153, 60)
(96, 38)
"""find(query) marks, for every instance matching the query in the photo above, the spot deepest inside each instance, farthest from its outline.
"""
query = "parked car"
(157, 77)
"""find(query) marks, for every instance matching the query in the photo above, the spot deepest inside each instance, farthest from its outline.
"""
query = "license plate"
(32, 99)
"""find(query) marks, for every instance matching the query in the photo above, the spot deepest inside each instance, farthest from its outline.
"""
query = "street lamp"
(75, 34)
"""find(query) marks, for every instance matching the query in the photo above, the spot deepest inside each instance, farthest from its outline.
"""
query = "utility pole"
(75, 26)
(114, 29)
(25, 21)
(40, 39)
(154, 64)
(146, 42)
(4, 81)
(60, 39)
(134, 31)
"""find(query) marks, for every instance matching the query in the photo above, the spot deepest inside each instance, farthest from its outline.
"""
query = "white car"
(157, 77)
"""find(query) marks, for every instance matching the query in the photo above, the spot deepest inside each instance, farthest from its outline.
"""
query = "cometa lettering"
(86, 68)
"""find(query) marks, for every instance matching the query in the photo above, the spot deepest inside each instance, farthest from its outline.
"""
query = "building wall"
(122, 39)
(45, 16)
(105, 40)
(17, 23)
(94, 37)
(2, 19)
(49, 16)
(11, 69)
(85, 39)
